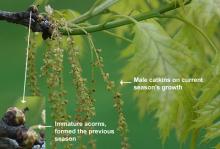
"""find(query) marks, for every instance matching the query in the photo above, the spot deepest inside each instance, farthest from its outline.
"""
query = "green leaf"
(128, 7)
(211, 88)
(203, 14)
(209, 91)
(180, 2)
(66, 14)
(195, 42)
(209, 113)
(217, 146)
(212, 132)
(129, 51)
(206, 9)
(156, 54)
(185, 114)
(40, 2)
(103, 6)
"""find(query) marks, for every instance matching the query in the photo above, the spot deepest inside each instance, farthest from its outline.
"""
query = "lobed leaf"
(209, 113)
(212, 132)
(156, 54)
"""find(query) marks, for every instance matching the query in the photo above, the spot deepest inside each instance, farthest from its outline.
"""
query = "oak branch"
(42, 24)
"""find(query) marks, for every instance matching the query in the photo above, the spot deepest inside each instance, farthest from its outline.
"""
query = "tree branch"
(39, 23)
(42, 24)
(122, 22)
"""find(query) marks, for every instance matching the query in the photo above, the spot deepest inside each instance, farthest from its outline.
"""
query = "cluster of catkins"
(15, 135)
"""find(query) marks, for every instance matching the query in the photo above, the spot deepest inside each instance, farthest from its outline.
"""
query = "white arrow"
(26, 61)
(23, 100)
(42, 126)
(124, 82)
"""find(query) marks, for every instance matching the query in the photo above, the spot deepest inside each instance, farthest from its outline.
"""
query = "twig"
(122, 22)
(42, 23)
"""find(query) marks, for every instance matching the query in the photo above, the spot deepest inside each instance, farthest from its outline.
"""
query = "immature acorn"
(27, 138)
(30, 138)
(14, 116)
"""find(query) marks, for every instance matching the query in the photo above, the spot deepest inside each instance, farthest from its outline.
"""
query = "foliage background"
(143, 133)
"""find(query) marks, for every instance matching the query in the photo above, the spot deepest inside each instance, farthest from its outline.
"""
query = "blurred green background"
(143, 133)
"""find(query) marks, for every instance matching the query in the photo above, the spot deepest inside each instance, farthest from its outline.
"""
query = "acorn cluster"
(14, 134)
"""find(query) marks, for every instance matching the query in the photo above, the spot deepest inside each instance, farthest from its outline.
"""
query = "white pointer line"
(42, 126)
(26, 61)
(124, 82)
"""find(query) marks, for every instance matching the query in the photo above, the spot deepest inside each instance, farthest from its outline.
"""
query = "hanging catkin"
(53, 71)
(32, 74)
(85, 109)
(118, 102)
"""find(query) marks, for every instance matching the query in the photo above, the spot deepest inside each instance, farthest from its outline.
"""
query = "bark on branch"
(39, 23)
